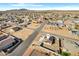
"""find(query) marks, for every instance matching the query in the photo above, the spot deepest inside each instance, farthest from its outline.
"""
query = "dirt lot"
(23, 34)
(63, 31)
(71, 47)
(33, 25)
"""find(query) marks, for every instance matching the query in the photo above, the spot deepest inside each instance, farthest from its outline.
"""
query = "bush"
(65, 54)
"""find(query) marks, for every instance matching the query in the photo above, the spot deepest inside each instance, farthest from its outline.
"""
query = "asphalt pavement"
(24, 45)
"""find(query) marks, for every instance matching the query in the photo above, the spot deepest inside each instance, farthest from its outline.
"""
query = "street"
(24, 45)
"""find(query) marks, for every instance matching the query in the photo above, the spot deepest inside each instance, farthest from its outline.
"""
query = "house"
(60, 23)
(17, 28)
(47, 36)
(74, 31)
(76, 21)
(7, 42)
(67, 22)
(50, 44)
(2, 37)
(52, 39)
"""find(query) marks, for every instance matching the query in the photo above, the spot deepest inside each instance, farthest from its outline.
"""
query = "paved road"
(23, 46)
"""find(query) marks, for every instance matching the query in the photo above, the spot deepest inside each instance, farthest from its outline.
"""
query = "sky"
(39, 6)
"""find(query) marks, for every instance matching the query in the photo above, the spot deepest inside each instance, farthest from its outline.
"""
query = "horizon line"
(43, 9)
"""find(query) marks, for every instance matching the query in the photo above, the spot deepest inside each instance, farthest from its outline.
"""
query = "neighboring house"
(60, 23)
(76, 21)
(74, 31)
(69, 24)
(17, 28)
(7, 42)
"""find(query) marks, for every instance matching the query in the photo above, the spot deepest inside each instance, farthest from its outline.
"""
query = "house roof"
(6, 42)
(52, 38)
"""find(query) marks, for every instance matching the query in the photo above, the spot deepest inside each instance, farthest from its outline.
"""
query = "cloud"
(23, 4)
(56, 8)
(45, 7)
(67, 8)
(70, 7)
(39, 6)
(18, 4)
(36, 5)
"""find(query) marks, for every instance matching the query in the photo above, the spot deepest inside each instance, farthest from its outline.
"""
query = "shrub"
(65, 54)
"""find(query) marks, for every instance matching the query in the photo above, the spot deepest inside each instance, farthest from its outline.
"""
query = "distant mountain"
(18, 10)
(23, 9)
